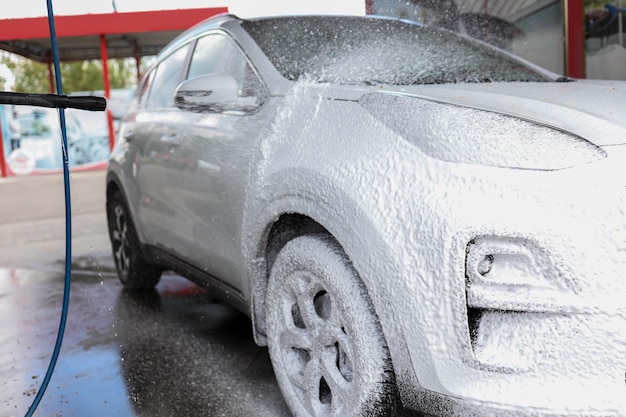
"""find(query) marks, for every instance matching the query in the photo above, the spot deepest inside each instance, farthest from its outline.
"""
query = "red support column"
(574, 22)
(107, 88)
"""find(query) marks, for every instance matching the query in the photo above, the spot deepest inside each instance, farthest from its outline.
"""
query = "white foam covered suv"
(412, 219)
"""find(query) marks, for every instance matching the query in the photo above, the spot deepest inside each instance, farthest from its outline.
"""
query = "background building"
(554, 34)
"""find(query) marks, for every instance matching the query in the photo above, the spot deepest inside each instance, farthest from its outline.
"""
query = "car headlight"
(470, 136)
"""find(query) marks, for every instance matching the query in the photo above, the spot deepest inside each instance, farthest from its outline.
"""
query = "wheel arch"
(115, 184)
(112, 185)
(298, 212)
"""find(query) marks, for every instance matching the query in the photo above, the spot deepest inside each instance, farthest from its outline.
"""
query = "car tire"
(325, 341)
(133, 270)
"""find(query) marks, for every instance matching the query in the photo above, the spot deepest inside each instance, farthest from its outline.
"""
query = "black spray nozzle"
(91, 103)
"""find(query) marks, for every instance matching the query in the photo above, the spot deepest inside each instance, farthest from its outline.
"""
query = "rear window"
(357, 50)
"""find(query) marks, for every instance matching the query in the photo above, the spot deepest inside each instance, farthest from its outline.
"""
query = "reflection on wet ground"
(171, 352)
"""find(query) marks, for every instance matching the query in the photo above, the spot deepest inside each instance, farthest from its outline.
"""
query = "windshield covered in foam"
(354, 50)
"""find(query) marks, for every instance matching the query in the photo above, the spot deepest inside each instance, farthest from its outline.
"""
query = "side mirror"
(211, 93)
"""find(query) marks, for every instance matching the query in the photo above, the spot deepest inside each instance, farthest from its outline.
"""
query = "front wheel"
(133, 270)
(325, 342)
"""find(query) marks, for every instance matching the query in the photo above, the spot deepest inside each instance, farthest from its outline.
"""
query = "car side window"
(207, 55)
(218, 54)
(165, 78)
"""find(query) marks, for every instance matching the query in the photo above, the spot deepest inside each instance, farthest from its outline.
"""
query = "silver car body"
(486, 220)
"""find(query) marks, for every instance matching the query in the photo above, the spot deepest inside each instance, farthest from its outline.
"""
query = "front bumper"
(542, 331)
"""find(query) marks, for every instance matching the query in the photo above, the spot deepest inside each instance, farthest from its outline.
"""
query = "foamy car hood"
(594, 110)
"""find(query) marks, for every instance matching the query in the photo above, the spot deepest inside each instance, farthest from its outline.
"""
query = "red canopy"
(127, 34)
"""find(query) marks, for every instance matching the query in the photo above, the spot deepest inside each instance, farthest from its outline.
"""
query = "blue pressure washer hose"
(68, 220)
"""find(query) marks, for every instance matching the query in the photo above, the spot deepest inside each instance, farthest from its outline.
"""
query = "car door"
(151, 131)
(210, 163)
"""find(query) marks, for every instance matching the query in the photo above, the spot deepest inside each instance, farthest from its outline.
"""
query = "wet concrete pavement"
(172, 352)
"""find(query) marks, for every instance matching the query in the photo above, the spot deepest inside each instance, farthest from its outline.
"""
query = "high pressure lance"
(56, 101)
